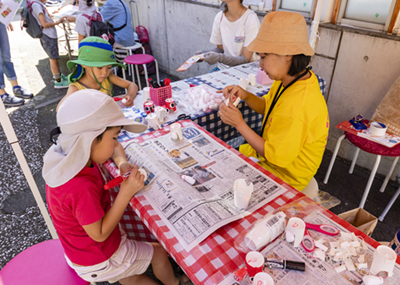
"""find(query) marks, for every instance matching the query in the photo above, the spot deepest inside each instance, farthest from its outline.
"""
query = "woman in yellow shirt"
(296, 122)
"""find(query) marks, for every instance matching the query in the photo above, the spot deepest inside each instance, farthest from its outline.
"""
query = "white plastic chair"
(121, 52)
(390, 204)
(311, 189)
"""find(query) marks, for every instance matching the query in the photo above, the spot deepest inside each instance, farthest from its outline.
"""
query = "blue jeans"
(6, 66)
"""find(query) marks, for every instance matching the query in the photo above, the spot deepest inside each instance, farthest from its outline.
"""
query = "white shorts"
(131, 258)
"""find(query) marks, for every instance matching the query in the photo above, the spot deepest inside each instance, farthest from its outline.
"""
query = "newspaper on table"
(232, 76)
(317, 271)
(191, 183)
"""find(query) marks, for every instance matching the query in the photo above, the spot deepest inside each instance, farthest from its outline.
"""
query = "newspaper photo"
(192, 187)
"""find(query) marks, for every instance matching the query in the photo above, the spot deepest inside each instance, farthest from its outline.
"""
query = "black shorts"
(50, 46)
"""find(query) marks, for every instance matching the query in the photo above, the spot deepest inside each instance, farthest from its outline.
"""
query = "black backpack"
(100, 29)
(29, 22)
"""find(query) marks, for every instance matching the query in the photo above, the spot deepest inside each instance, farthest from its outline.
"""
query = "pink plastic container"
(158, 95)
(263, 78)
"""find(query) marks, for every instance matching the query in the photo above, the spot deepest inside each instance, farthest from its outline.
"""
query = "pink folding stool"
(136, 59)
(43, 263)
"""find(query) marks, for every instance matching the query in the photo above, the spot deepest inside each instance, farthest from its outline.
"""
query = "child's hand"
(125, 167)
(133, 184)
(129, 100)
(60, 21)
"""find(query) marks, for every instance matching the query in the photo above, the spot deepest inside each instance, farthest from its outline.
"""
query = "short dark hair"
(224, 6)
(299, 63)
(100, 137)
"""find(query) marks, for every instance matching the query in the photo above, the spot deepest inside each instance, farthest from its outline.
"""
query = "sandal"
(180, 277)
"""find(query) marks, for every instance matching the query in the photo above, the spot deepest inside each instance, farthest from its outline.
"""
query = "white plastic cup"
(296, 227)
(263, 278)
(254, 263)
(242, 193)
(153, 122)
(384, 260)
(252, 79)
(146, 94)
(160, 113)
(176, 131)
(243, 83)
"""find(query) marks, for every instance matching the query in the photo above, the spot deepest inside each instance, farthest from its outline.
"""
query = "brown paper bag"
(388, 111)
(361, 220)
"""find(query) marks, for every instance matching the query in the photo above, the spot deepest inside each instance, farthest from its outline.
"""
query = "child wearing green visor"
(92, 70)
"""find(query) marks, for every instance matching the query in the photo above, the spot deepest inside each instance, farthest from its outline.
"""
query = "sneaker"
(22, 93)
(11, 101)
(62, 84)
(64, 77)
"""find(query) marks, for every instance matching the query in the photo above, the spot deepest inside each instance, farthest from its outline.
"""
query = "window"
(304, 7)
(371, 14)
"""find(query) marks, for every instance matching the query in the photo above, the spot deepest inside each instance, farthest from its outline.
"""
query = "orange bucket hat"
(283, 33)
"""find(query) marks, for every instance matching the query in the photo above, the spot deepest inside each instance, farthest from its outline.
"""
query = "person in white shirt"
(88, 8)
(234, 28)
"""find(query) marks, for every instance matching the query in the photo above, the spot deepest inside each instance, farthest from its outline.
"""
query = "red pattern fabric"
(214, 259)
(373, 147)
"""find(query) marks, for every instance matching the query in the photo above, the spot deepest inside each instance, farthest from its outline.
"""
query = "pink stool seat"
(139, 59)
(43, 263)
(373, 147)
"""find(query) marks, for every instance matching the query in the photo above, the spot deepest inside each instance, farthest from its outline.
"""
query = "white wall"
(359, 68)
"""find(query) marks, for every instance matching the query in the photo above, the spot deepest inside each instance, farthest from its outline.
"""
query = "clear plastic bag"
(253, 239)
(199, 99)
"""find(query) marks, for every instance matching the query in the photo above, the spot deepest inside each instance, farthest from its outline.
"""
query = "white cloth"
(131, 258)
(82, 25)
(37, 9)
(233, 36)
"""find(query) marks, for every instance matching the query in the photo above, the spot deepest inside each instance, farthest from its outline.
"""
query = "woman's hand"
(231, 115)
(125, 167)
(133, 184)
(233, 92)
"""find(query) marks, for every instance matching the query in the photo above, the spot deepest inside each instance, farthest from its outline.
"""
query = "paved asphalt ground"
(21, 224)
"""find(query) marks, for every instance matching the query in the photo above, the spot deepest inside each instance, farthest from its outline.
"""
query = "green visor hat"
(93, 52)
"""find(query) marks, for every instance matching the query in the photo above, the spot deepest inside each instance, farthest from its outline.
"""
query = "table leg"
(353, 163)
(371, 178)
(389, 174)
(328, 172)
(382, 216)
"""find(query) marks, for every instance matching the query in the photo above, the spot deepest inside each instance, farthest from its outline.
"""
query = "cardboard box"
(361, 220)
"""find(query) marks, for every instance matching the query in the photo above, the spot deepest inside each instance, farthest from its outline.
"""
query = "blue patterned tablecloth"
(210, 120)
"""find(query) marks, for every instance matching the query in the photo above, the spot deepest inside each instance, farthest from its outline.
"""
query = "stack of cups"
(243, 83)
(252, 79)
(160, 113)
(254, 263)
(153, 122)
(146, 94)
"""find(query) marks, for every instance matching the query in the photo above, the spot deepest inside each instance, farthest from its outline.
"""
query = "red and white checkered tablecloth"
(216, 257)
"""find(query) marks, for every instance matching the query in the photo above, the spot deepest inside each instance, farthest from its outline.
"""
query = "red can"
(148, 107)
(170, 105)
